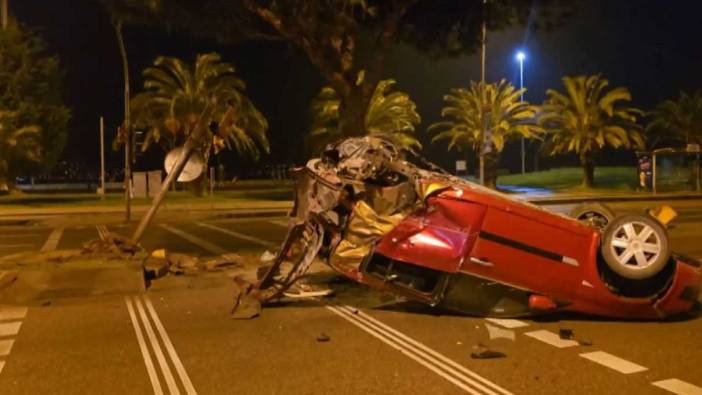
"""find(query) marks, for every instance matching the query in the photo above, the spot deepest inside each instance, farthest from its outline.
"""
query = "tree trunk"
(588, 165)
(352, 112)
(491, 162)
(5, 179)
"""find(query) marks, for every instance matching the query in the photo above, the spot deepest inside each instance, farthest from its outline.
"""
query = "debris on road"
(155, 267)
(481, 351)
(566, 334)
(112, 243)
(495, 332)
(323, 338)
(267, 257)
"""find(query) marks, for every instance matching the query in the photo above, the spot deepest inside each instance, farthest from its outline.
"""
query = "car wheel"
(635, 246)
(596, 215)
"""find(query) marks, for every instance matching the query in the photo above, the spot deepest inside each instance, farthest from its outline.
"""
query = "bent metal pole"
(194, 140)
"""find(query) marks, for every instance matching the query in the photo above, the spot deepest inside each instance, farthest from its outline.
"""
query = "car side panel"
(529, 254)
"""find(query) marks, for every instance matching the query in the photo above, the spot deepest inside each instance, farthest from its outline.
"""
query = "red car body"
(542, 260)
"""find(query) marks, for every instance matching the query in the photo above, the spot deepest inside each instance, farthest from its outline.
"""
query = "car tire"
(635, 247)
(593, 214)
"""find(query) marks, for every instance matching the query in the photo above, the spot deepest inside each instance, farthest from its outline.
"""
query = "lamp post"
(520, 57)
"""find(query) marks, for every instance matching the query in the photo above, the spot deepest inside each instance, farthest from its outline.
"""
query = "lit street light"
(520, 57)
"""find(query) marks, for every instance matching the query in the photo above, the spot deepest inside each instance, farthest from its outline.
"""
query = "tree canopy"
(30, 95)
(348, 41)
(588, 117)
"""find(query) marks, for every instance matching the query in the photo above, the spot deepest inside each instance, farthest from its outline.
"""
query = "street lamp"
(520, 57)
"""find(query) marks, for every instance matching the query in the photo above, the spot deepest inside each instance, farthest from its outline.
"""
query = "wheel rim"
(594, 219)
(636, 245)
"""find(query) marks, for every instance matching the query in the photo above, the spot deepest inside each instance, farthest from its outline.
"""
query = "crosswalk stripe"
(53, 240)
(10, 328)
(12, 313)
(6, 346)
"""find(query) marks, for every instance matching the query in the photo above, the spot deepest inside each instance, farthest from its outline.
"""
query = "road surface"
(178, 338)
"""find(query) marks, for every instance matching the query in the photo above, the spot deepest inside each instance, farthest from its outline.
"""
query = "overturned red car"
(386, 218)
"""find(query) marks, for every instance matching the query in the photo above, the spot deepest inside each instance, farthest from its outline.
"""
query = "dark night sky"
(654, 47)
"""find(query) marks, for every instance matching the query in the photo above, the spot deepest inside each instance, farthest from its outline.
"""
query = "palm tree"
(392, 114)
(175, 94)
(587, 118)
(483, 118)
(16, 143)
(680, 119)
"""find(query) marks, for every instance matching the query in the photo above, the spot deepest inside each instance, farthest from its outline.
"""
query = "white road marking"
(282, 223)
(24, 245)
(185, 379)
(507, 323)
(6, 346)
(165, 369)
(613, 362)
(144, 350)
(204, 244)
(238, 235)
(430, 351)
(12, 313)
(102, 231)
(551, 339)
(10, 328)
(678, 387)
(53, 240)
(415, 353)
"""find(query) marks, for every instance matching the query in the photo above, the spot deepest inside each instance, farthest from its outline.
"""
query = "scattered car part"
(663, 213)
(594, 214)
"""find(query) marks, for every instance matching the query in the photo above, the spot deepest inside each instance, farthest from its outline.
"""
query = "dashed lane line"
(204, 244)
(507, 323)
(678, 387)
(53, 240)
(613, 362)
(551, 339)
(238, 235)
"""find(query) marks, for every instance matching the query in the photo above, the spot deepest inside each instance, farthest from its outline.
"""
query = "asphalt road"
(179, 338)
